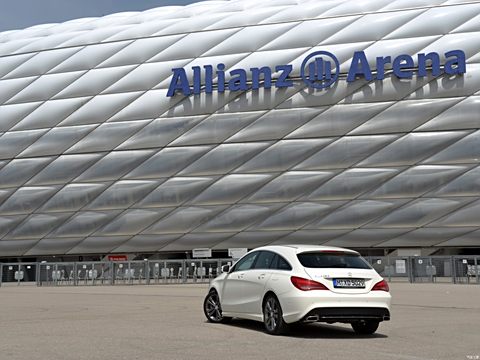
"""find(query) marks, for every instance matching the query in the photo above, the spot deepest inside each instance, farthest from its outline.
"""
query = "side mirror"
(225, 268)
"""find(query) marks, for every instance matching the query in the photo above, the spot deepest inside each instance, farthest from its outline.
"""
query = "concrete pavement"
(431, 321)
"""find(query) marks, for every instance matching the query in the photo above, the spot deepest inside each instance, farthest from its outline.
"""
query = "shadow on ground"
(308, 331)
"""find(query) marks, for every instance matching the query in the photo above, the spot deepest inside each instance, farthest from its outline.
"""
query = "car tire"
(273, 316)
(365, 327)
(213, 310)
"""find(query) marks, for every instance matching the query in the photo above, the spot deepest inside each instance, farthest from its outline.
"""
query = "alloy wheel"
(272, 314)
(212, 307)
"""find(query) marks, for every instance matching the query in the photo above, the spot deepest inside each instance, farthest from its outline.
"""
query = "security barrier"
(428, 269)
(18, 273)
(413, 269)
(111, 272)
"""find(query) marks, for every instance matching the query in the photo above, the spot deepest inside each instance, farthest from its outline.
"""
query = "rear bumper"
(347, 314)
(296, 304)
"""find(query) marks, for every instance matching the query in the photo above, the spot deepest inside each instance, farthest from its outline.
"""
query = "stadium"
(236, 124)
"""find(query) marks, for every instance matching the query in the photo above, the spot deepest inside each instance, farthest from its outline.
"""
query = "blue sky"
(19, 14)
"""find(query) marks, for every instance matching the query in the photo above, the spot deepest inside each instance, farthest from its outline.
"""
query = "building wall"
(95, 158)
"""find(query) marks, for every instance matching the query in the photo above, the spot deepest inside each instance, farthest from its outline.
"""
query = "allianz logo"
(318, 70)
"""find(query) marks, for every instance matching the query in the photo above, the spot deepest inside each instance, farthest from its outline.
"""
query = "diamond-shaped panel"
(95, 158)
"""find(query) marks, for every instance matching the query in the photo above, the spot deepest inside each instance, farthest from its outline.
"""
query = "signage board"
(237, 253)
(117, 258)
(202, 253)
(400, 266)
(18, 275)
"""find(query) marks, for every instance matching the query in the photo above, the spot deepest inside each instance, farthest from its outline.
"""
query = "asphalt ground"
(431, 321)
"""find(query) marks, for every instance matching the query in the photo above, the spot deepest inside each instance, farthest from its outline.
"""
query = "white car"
(285, 284)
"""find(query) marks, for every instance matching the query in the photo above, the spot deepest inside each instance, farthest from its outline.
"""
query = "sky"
(19, 14)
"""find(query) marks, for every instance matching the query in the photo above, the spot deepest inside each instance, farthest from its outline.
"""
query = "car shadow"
(308, 331)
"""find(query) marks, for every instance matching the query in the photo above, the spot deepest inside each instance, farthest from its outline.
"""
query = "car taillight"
(381, 286)
(306, 284)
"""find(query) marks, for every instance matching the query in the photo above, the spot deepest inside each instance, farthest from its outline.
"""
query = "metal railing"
(429, 269)
(413, 269)
(111, 273)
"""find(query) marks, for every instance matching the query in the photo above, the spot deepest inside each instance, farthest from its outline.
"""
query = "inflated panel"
(96, 158)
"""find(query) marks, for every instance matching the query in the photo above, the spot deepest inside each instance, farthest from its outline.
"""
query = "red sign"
(117, 258)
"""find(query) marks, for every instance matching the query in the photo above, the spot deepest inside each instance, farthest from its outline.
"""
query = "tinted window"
(264, 260)
(246, 263)
(279, 263)
(332, 260)
(282, 264)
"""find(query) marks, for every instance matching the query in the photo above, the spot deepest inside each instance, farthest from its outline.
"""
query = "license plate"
(349, 283)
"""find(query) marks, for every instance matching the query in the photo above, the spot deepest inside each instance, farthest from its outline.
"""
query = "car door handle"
(240, 276)
(261, 276)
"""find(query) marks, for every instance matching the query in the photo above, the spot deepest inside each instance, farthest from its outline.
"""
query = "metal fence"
(429, 269)
(111, 273)
(413, 269)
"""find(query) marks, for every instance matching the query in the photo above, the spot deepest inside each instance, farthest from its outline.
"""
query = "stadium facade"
(227, 124)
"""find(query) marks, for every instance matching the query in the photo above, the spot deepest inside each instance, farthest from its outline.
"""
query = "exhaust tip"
(311, 318)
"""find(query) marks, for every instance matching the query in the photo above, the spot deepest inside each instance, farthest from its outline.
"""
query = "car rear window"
(337, 259)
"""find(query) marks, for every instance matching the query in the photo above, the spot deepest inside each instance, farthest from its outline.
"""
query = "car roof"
(298, 248)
